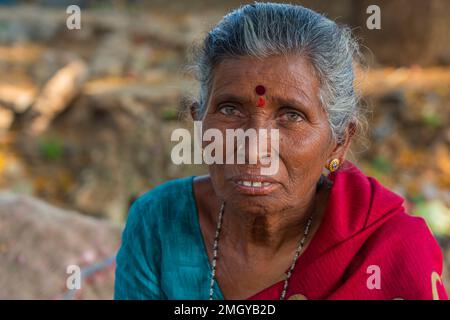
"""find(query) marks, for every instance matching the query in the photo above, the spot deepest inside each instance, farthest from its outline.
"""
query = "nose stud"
(260, 91)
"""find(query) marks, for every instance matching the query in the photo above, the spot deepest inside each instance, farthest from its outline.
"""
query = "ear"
(341, 148)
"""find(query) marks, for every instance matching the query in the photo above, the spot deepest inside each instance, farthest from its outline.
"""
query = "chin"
(257, 205)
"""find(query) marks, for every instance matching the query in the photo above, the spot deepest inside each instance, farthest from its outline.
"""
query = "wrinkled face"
(291, 105)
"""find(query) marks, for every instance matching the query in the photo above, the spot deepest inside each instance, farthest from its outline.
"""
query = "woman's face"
(293, 107)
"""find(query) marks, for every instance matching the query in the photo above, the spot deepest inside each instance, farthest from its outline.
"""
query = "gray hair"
(264, 29)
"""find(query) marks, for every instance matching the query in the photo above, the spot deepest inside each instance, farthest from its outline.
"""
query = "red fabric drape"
(367, 247)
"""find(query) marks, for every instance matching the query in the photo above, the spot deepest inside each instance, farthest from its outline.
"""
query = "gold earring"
(333, 165)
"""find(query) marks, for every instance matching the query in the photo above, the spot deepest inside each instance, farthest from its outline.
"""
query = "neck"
(266, 234)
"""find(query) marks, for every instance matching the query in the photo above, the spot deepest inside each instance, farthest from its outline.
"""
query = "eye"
(229, 110)
(292, 116)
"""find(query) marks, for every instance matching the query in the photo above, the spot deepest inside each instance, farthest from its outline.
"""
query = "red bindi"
(260, 90)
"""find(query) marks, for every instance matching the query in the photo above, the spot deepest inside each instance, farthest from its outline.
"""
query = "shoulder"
(153, 225)
(409, 257)
(400, 259)
(159, 205)
(404, 231)
(405, 241)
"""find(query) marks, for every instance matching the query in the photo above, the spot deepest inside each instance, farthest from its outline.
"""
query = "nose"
(255, 148)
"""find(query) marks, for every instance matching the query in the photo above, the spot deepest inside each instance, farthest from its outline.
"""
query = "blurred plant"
(436, 214)
(51, 148)
(381, 164)
(417, 198)
(170, 114)
(431, 119)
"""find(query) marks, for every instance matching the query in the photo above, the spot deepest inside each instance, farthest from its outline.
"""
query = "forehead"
(281, 75)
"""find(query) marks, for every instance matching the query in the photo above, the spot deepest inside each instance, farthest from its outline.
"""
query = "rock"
(39, 241)
(6, 119)
(24, 24)
(58, 92)
(413, 27)
(17, 98)
(112, 56)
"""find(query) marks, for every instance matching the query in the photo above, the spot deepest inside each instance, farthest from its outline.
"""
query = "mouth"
(254, 185)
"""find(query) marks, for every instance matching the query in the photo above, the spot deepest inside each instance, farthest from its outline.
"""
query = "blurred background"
(86, 117)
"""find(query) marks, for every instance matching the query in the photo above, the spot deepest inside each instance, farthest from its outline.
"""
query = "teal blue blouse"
(163, 254)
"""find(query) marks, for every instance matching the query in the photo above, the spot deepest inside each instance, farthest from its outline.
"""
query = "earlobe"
(333, 165)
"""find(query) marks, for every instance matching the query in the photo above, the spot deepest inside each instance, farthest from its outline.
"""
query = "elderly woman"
(304, 232)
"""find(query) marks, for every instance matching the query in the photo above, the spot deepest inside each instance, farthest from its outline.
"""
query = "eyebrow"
(290, 102)
(278, 99)
(232, 97)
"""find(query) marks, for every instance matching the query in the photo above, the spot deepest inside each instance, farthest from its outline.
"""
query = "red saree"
(367, 247)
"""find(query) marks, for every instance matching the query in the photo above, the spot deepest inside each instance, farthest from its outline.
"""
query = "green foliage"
(432, 119)
(51, 148)
(170, 114)
(381, 164)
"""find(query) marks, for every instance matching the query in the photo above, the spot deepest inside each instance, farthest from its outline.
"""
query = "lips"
(254, 184)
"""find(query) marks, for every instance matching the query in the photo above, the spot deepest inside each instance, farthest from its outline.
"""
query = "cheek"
(218, 179)
(217, 175)
(304, 150)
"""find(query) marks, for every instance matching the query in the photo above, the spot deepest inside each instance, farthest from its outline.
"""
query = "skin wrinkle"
(260, 233)
(233, 63)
